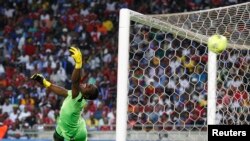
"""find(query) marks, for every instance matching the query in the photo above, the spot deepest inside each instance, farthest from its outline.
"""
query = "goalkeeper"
(71, 125)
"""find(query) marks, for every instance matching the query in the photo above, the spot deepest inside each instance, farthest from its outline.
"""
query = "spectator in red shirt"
(29, 48)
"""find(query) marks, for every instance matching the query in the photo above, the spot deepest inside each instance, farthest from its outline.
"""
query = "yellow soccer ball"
(217, 43)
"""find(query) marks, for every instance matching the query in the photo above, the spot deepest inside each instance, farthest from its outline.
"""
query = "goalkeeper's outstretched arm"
(52, 87)
(76, 75)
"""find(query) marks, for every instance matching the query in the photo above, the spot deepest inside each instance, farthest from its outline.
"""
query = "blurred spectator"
(24, 114)
(3, 130)
(15, 133)
(27, 101)
(14, 115)
(92, 123)
(7, 107)
(103, 124)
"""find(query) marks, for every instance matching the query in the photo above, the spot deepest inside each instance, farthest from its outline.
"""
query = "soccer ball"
(217, 43)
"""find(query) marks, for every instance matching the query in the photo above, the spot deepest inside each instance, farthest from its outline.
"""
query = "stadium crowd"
(35, 36)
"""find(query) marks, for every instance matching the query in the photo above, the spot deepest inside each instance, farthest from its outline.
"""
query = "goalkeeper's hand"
(39, 78)
(77, 55)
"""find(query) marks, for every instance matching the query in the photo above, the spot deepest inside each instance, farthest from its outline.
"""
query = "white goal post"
(122, 80)
(203, 26)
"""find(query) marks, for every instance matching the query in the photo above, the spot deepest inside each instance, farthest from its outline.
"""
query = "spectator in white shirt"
(7, 107)
(24, 114)
(14, 114)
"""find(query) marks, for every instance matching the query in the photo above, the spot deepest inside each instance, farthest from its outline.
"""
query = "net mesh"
(168, 72)
(232, 22)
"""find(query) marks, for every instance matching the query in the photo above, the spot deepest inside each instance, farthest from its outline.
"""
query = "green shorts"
(81, 135)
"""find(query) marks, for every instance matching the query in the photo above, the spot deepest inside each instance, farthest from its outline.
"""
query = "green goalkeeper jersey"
(71, 124)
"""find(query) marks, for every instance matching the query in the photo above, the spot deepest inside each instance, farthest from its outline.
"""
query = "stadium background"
(35, 36)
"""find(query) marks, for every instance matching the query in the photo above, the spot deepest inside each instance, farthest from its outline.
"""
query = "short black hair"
(94, 94)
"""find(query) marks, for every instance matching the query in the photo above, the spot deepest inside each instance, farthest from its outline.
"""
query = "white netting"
(233, 87)
(168, 72)
(165, 94)
(232, 22)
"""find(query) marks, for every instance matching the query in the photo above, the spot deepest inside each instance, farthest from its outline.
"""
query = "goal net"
(170, 87)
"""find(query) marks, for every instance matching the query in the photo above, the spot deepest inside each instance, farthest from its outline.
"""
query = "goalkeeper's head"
(89, 91)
